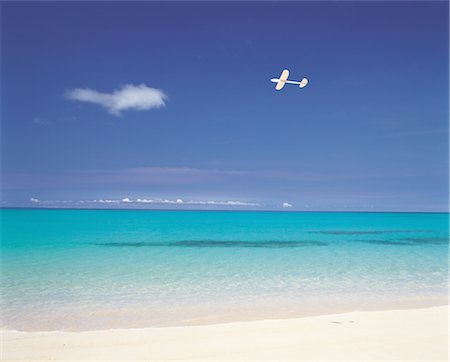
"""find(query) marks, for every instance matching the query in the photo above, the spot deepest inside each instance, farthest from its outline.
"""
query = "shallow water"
(95, 269)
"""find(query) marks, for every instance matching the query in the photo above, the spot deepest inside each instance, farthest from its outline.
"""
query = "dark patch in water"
(247, 244)
(365, 232)
(433, 240)
(410, 241)
(272, 244)
(384, 242)
(219, 244)
(135, 245)
(128, 245)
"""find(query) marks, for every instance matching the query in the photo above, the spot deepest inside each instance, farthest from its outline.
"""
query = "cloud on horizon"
(128, 97)
(197, 202)
(155, 201)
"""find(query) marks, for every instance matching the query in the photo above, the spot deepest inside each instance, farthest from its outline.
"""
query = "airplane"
(281, 82)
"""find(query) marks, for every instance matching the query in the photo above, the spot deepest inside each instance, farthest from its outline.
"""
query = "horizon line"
(220, 210)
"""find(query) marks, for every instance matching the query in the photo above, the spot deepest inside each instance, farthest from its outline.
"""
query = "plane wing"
(282, 80)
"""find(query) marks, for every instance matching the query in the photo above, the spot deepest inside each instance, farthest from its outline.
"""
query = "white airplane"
(284, 79)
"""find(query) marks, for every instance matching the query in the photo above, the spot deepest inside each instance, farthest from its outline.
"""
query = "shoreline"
(227, 313)
(420, 333)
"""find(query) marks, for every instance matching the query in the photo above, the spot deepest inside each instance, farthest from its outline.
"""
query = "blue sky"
(195, 121)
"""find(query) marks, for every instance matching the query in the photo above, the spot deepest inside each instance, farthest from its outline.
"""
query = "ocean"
(101, 269)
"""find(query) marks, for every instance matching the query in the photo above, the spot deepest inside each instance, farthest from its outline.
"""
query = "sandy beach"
(401, 335)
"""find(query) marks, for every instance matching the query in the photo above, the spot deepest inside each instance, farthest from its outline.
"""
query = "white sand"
(403, 335)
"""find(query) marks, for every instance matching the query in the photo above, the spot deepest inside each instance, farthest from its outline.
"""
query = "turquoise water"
(96, 269)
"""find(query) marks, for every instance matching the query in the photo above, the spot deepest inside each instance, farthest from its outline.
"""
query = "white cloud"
(228, 203)
(40, 121)
(155, 201)
(197, 202)
(145, 201)
(128, 97)
(287, 205)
